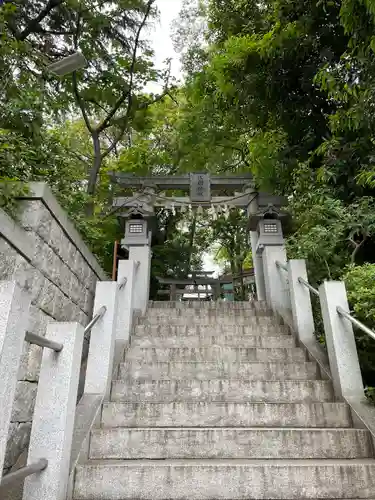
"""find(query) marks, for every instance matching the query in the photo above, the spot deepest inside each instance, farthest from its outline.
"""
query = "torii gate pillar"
(138, 242)
(252, 209)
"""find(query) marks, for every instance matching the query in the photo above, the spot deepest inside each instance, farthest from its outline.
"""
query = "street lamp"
(68, 64)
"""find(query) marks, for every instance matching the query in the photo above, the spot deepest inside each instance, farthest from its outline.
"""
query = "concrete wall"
(44, 253)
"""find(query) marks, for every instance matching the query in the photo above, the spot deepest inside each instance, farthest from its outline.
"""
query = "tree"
(110, 92)
(114, 89)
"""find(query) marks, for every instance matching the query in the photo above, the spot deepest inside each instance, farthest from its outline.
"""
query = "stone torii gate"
(137, 212)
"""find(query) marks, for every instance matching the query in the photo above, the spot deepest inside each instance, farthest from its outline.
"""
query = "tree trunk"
(191, 242)
(357, 247)
(94, 172)
(242, 284)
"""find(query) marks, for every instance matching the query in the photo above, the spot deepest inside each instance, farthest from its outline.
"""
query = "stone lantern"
(270, 231)
(139, 220)
(136, 230)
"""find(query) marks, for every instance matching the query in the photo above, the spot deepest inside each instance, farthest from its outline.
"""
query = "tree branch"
(357, 246)
(77, 30)
(172, 98)
(96, 103)
(80, 156)
(126, 121)
(47, 32)
(81, 103)
(115, 142)
(128, 93)
(109, 142)
(79, 99)
(34, 23)
(158, 98)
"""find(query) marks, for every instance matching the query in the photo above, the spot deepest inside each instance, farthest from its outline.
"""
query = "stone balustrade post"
(53, 422)
(275, 282)
(340, 341)
(127, 270)
(258, 267)
(102, 342)
(142, 254)
(300, 298)
(14, 312)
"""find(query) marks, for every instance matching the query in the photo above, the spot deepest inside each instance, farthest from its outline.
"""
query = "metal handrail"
(282, 266)
(307, 284)
(122, 283)
(43, 342)
(95, 319)
(20, 474)
(355, 322)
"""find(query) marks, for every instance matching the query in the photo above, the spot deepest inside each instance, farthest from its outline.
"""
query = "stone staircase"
(215, 401)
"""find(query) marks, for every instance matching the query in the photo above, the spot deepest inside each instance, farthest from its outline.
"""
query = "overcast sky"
(161, 35)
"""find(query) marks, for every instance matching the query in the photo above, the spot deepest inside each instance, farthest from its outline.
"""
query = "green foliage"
(231, 234)
(370, 394)
(360, 284)
(57, 160)
(285, 89)
(155, 146)
(108, 94)
(177, 248)
(9, 190)
(37, 142)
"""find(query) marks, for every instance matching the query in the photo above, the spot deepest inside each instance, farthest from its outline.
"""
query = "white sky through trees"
(161, 40)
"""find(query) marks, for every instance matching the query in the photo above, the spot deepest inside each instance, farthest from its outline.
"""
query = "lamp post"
(67, 64)
(62, 67)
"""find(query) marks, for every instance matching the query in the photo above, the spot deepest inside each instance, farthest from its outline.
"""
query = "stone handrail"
(57, 347)
(57, 390)
(43, 342)
(123, 283)
(60, 428)
(307, 285)
(355, 322)
(282, 266)
(95, 319)
(340, 360)
(17, 476)
(10, 362)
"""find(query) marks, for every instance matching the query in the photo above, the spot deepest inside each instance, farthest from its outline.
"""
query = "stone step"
(226, 480)
(257, 306)
(212, 320)
(258, 443)
(255, 391)
(210, 330)
(202, 414)
(215, 354)
(221, 370)
(207, 313)
(243, 341)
